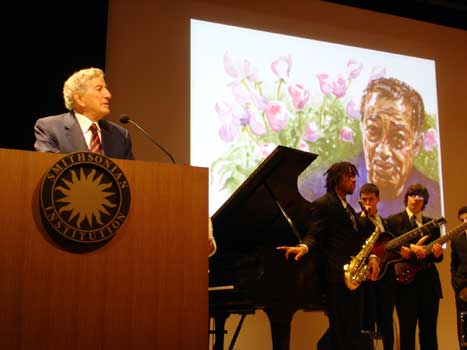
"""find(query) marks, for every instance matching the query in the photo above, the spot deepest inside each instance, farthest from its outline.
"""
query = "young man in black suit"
(459, 275)
(334, 230)
(379, 295)
(417, 300)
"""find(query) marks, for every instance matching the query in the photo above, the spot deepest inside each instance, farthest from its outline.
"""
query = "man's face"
(390, 143)
(415, 203)
(94, 103)
(347, 183)
(370, 201)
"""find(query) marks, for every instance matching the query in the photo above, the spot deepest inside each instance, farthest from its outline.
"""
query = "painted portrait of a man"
(392, 119)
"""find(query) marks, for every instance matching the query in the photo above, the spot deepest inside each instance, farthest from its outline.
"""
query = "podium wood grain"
(145, 289)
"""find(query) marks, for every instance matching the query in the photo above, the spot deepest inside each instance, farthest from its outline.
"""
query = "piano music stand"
(264, 199)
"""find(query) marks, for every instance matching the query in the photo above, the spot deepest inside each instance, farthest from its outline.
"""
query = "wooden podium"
(145, 289)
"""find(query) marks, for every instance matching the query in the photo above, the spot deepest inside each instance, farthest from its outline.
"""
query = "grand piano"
(248, 273)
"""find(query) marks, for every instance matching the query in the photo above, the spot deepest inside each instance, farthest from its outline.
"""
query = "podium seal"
(84, 198)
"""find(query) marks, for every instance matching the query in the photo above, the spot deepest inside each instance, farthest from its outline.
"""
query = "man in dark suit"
(417, 300)
(459, 275)
(83, 127)
(379, 295)
(334, 231)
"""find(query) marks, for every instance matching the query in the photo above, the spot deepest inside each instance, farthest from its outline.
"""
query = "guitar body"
(405, 271)
(380, 250)
(386, 256)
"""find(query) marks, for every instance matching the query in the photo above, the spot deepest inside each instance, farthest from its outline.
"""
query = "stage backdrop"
(148, 71)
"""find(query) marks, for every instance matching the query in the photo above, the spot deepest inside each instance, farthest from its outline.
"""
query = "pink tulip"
(354, 68)
(312, 133)
(303, 146)
(241, 95)
(260, 102)
(352, 110)
(232, 65)
(346, 134)
(231, 120)
(300, 96)
(324, 86)
(256, 123)
(339, 87)
(430, 140)
(282, 66)
(239, 69)
(251, 72)
(377, 72)
(277, 115)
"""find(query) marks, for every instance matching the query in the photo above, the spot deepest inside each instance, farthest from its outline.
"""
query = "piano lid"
(254, 215)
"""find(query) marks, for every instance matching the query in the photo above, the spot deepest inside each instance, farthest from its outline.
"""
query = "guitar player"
(418, 301)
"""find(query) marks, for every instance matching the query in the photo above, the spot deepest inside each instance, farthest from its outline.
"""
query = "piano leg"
(219, 330)
(280, 320)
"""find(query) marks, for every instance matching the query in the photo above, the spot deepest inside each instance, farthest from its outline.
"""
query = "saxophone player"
(379, 295)
(335, 231)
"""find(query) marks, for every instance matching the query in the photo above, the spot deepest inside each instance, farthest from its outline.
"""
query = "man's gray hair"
(77, 83)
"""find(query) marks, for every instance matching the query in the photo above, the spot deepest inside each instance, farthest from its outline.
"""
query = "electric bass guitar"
(386, 249)
(406, 271)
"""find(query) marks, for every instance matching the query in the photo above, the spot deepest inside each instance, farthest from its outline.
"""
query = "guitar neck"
(416, 232)
(448, 236)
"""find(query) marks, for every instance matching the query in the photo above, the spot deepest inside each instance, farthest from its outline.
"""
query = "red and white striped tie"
(95, 145)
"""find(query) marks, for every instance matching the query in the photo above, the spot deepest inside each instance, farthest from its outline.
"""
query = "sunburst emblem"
(85, 198)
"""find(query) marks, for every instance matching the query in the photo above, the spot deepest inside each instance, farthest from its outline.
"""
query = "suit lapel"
(74, 134)
(106, 138)
(385, 224)
(342, 212)
(406, 222)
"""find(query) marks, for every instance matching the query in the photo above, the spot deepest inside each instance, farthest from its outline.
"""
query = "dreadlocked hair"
(336, 171)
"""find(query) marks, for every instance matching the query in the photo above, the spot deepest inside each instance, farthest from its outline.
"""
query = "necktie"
(413, 221)
(379, 223)
(351, 216)
(95, 145)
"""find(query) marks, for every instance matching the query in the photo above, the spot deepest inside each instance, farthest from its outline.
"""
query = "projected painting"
(254, 90)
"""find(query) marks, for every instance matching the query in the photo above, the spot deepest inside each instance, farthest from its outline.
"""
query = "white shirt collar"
(418, 216)
(84, 122)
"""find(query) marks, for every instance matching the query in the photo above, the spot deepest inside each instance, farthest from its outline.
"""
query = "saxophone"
(357, 270)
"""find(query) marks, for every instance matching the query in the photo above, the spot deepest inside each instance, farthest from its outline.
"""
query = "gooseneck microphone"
(125, 119)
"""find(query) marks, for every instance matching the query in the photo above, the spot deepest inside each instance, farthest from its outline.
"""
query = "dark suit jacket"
(399, 224)
(62, 134)
(330, 229)
(459, 262)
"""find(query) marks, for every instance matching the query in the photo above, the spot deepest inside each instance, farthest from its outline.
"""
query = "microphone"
(125, 119)
(363, 206)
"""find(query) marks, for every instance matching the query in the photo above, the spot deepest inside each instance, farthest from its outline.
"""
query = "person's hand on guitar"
(437, 250)
(417, 249)
(405, 252)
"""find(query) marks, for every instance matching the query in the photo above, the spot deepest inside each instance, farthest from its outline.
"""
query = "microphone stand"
(128, 120)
